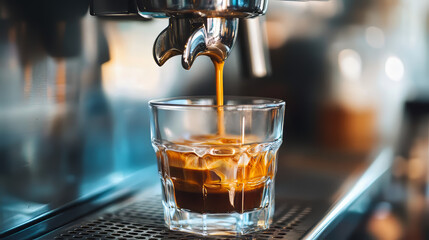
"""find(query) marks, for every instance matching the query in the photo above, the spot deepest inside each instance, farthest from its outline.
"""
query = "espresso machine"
(74, 129)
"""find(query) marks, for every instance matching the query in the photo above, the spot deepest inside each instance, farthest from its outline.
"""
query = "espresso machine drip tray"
(144, 220)
(310, 203)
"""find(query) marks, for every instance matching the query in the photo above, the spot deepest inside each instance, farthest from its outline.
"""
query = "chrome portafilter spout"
(203, 27)
(194, 36)
(196, 27)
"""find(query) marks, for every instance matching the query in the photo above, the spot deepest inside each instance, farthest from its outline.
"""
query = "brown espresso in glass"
(226, 174)
(218, 174)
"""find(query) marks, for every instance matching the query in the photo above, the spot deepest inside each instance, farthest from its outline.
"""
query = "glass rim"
(269, 103)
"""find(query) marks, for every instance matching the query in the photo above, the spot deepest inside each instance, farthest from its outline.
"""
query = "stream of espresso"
(219, 95)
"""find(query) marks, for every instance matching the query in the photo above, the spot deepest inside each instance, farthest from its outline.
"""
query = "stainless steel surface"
(79, 209)
(203, 8)
(143, 219)
(381, 165)
(191, 37)
(254, 49)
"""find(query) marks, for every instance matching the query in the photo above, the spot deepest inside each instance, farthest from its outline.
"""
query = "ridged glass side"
(225, 189)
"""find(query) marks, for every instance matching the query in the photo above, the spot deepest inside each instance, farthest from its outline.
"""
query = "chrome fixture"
(205, 27)
(191, 37)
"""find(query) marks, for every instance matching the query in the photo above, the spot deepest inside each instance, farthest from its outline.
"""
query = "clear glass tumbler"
(217, 163)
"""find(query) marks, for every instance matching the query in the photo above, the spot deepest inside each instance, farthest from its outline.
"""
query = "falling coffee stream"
(219, 95)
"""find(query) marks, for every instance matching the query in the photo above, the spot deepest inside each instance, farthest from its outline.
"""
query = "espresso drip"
(219, 94)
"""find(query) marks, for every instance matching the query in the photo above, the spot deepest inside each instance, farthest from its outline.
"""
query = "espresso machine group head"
(202, 27)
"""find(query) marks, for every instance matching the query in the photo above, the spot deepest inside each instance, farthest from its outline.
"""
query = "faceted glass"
(217, 163)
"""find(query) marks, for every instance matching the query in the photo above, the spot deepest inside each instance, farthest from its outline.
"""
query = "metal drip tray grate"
(144, 220)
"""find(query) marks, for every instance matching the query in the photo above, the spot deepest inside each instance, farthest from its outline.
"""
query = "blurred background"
(74, 88)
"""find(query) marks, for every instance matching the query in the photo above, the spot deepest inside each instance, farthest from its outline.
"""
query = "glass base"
(218, 224)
